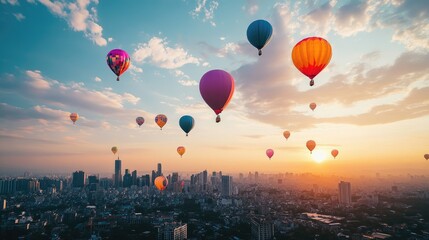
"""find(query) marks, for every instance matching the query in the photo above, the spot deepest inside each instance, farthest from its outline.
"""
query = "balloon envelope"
(426, 156)
(259, 34)
(161, 120)
(334, 153)
(217, 88)
(270, 153)
(286, 134)
(311, 145)
(186, 122)
(140, 121)
(312, 106)
(161, 183)
(181, 150)
(118, 61)
(311, 55)
(74, 117)
(114, 150)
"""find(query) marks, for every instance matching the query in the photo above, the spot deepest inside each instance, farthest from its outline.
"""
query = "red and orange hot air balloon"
(74, 117)
(286, 134)
(311, 145)
(181, 150)
(311, 55)
(334, 153)
(161, 183)
(312, 106)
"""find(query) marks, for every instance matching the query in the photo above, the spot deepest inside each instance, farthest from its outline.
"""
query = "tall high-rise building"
(173, 231)
(344, 193)
(153, 177)
(93, 182)
(205, 176)
(159, 171)
(175, 177)
(145, 181)
(118, 174)
(134, 177)
(78, 179)
(128, 180)
(226, 185)
(262, 229)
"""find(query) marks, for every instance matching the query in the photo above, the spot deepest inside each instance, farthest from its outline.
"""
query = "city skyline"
(371, 99)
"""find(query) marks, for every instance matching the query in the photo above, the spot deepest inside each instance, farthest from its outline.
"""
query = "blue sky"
(53, 63)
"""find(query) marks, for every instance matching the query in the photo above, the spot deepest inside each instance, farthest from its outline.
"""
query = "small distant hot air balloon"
(140, 121)
(426, 156)
(217, 88)
(161, 183)
(74, 117)
(161, 120)
(259, 34)
(334, 153)
(114, 150)
(286, 134)
(311, 55)
(311, 145)
(270, 153)
(181, 150)
(186, 122)
(312, 106)
(118, 61)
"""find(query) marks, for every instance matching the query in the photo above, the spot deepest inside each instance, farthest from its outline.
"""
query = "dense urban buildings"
(344, 193)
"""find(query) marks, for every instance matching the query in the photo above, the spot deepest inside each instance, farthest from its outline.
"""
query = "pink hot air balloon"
(217, 88)
(312, 106)
(269, 152)
(118, 61)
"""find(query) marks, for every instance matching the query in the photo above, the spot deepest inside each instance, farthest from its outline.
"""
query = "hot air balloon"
(74, 117)
(334, 153)
(186, 122)
(161, 183)
(312, 106)
(140, 121)
(259, 34)
(119, 61)
(181, 150)
(286, 134)
(114, 150)
(216, 88)
(311, 55)
(270, 153)
(161, 120)
(426, 156)
(311, 145)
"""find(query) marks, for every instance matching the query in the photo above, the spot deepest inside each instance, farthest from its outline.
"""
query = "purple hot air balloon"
(270, 153)
(140, 121)
(216, 88)
(119, 61)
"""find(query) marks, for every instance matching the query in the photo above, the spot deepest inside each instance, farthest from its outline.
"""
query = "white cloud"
(19, 16)
(110, 39)
(251, 7)
(97, 79)
(11, 2)
(135, 69)
(188, 83)
(158, 53)
(229, 48)
(36, 80)
(205, 8)
(79, 18)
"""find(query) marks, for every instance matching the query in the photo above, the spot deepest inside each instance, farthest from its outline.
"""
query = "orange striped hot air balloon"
(74, 117)
(181, 150)
(161, 183)
(311, 55)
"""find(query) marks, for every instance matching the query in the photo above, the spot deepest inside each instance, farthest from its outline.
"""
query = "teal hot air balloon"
(186, 122)
(259, 34)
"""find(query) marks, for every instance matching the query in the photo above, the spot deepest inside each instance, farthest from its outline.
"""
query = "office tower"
(93, 183)
(175, 177)
(145, 180)
(344, 191)
(128, 180)
(78, 179)
(173, 231)
(226, 185)
(134, 177)
(118, 174)
(262, 229)
(159, 172)
(205, 180)
(153, 177)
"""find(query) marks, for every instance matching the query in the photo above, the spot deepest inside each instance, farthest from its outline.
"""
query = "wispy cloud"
(205, 9)
(97, 79)
(19, 16)
(11, 2)
(158, 53)
(79, 16)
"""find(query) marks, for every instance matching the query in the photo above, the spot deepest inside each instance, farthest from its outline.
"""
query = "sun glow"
(319, 156)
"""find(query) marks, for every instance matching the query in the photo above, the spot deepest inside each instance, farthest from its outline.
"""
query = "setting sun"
(319, 156)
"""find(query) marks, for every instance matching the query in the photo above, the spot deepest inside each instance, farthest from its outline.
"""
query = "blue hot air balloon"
(186, 122)
(259, 34)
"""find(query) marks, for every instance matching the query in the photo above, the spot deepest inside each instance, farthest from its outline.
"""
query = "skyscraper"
(159, 172)
(205, 180)
(226, 185)
(78, 179)
(134, 177)
(344, 191)
(118, 174)
(262, 229)
(128, 180)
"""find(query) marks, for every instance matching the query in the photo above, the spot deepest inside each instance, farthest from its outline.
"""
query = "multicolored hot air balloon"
(259, 34)
(74, 117)
(311, 55)
(311, 145)
(161, 120)
(286, 134)
(140, 121)
(312, 106)
(269, 152)
(181, 150)
(186, 122)
(334, 153)
(119, 61)
(114, 150)
(426, 156)
(217, 88)
(161, 183)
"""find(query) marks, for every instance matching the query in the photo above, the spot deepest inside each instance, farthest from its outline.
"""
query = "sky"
(372, 99)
